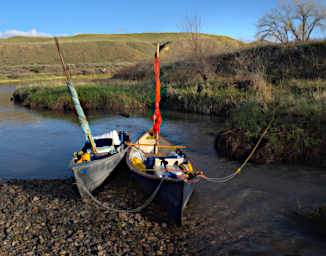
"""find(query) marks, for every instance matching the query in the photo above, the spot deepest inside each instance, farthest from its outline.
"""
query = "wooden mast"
(74, 96)
(157, 135)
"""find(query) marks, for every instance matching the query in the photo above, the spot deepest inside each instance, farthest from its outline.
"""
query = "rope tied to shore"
(138, 209)
(231, 176)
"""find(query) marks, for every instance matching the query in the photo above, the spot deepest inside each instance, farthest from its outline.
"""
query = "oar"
(155, 145)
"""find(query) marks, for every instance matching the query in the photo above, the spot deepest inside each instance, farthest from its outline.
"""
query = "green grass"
(298, 131)
(121, 96)
(38, 79)
(97, 48)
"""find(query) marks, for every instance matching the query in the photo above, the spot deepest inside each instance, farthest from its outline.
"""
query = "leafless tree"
(199, 47)
(294, 20)
(192, 25)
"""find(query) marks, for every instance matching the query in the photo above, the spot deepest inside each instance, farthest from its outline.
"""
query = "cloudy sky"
(234, 18)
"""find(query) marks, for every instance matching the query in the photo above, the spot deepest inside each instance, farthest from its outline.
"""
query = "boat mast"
(157, 114)
(74, 96)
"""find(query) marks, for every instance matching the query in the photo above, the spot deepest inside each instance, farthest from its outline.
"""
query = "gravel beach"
(48, 217)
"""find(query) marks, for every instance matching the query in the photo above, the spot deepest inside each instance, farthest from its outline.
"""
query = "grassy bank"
(51, 79)
(27, 74)
(115, 96)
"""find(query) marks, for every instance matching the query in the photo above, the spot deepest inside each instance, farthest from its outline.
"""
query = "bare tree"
(294, 20)
(200, 48)
(192, 25)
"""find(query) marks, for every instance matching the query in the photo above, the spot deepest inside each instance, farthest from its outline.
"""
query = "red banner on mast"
(157, 114)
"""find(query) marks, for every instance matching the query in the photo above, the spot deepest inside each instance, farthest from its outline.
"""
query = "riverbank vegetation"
(248, 87)
(114, 95)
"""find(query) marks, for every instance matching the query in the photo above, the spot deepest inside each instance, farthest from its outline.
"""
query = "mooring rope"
(231, 176)
(200, 174)
(138, 209)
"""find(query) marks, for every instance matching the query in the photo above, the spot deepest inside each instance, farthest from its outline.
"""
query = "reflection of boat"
(153, 158)
(100, 155)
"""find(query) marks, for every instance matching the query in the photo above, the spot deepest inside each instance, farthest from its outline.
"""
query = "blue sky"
(234, 18)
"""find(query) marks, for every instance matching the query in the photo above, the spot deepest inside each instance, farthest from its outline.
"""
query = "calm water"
(40, 145)
(252, 213)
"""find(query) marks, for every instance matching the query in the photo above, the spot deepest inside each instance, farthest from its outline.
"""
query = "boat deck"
(148, 139)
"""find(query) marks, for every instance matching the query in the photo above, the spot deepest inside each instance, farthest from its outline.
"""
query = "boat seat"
(99, 143)
(103, 146)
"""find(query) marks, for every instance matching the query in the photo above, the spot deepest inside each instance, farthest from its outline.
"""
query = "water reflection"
(41, 144)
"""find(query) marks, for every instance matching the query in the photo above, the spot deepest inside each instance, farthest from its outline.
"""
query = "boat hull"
(91, 175)
(173, 194)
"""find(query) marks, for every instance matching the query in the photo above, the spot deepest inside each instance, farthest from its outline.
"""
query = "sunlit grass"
(51, 78)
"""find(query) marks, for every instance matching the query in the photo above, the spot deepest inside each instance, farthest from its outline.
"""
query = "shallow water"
(251, 215)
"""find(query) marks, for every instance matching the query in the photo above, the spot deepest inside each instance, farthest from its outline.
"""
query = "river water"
(251, 215)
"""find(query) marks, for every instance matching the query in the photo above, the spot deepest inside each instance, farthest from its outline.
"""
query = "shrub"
(35, 69)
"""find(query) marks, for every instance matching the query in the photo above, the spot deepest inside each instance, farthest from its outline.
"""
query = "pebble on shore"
(48, 217)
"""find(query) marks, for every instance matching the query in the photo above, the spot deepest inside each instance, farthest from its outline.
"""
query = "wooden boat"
(179, 177)
(91, 174)
(158, 166)
(100, 155)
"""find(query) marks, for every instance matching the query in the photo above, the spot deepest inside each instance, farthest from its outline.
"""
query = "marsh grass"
(298, 131)
(116, 96)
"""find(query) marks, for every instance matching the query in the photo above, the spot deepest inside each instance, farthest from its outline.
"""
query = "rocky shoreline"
(47, 217)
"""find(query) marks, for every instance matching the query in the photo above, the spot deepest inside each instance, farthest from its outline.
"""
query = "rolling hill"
(101, 48)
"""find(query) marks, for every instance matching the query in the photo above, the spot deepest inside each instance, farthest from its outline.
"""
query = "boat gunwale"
(95, 162)
(144, 174)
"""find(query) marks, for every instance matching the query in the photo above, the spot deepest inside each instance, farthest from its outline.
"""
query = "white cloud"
(32, 33)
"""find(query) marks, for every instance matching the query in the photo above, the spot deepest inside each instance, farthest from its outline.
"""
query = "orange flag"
(157, 114)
